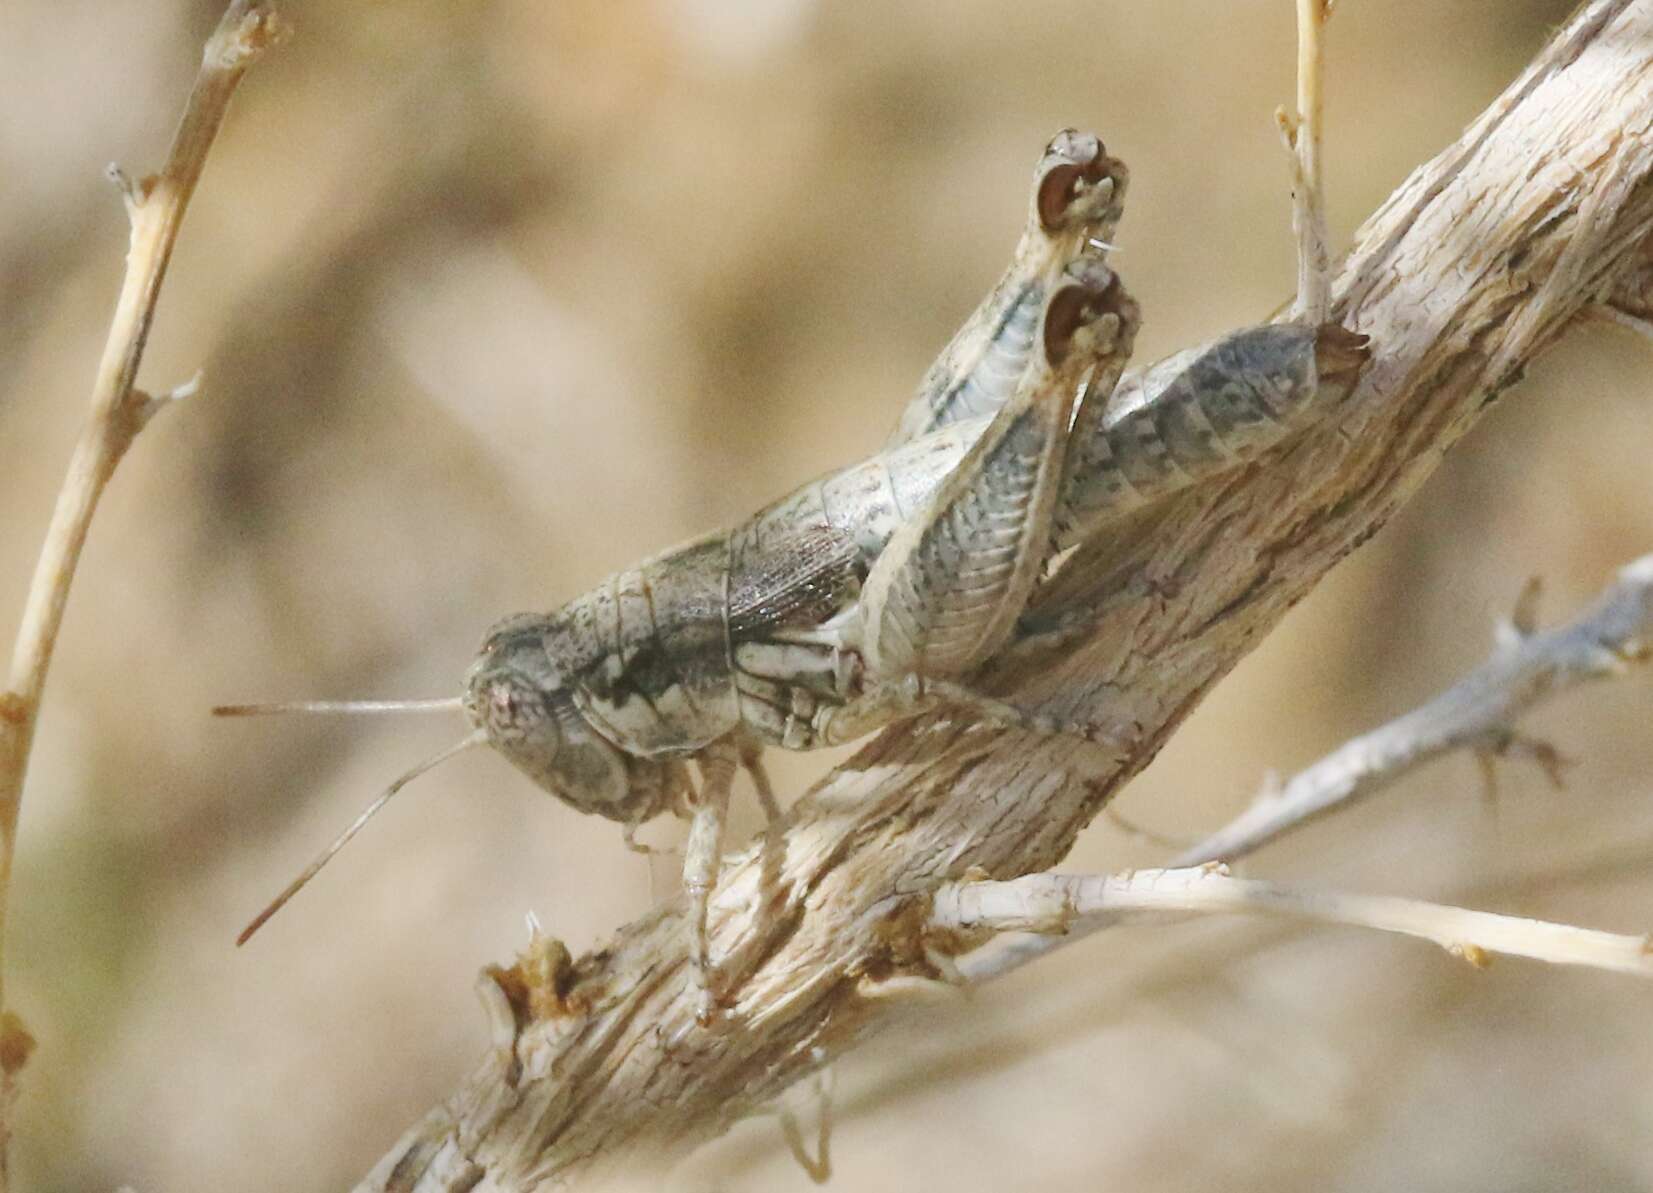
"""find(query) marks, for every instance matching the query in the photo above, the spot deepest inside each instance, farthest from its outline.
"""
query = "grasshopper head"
(515, 696)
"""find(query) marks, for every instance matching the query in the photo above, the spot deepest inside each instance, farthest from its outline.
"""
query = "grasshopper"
(872, 594)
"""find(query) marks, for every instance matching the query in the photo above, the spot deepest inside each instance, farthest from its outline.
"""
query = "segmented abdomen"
(1190, 417)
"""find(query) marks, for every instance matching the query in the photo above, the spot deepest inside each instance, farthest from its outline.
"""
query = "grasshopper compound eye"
(510, 709)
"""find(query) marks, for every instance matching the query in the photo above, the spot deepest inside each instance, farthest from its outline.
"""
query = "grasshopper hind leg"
(944, 595)
(1075, 202)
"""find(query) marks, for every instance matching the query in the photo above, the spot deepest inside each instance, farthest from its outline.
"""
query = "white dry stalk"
(1481, 259)
(1068, 907)
(155, 206)
(1479, 711)
(1303, 133)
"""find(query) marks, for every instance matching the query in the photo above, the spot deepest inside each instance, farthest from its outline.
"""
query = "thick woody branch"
(1480, 260)
(1477, 712)
(155, 206)
(1068, 907)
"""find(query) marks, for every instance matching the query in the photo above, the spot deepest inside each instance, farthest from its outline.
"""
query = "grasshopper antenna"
(343, 839)
(335, 706)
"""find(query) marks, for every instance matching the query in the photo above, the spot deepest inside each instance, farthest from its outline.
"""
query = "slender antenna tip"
(344, 838)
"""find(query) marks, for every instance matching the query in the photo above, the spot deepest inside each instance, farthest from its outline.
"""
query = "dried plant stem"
(1479, 711)
(1303, 135)
(155, 206)
(1064, 908)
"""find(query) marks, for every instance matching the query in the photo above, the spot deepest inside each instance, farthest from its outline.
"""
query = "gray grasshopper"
(873, 593)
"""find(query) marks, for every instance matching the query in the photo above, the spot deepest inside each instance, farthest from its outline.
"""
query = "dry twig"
(1064, 908)
(1302, 133)
(1479, 711)
(155, 206)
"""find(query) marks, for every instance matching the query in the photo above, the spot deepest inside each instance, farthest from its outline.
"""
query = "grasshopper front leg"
(703, 854)
(701, 858)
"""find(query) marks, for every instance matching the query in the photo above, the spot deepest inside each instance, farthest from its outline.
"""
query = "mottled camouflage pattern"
(839, 607)
(746, 628)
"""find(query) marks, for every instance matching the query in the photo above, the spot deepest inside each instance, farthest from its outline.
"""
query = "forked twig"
(1479, 711)
(155, 207)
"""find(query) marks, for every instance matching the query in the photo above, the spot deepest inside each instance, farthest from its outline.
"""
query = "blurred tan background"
(493, 298)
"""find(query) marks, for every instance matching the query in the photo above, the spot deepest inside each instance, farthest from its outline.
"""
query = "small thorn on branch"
(1486, 761)
(1523, 619)
(1477, 957)
(819, 1166)
(1541, 753)
(146, 406)
(1288, 125)
(134, 192)
(139, 406)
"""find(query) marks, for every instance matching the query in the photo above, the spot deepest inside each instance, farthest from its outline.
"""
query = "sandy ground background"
(493, 298)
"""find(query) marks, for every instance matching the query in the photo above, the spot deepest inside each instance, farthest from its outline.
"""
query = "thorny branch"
(155, 206)
(1479, 261)
(1479, 711)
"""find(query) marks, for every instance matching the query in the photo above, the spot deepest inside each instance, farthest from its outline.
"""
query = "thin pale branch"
(155, 207)
(1067, 907)
(1478, 712)
(1302, 134)
(1480, 260)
